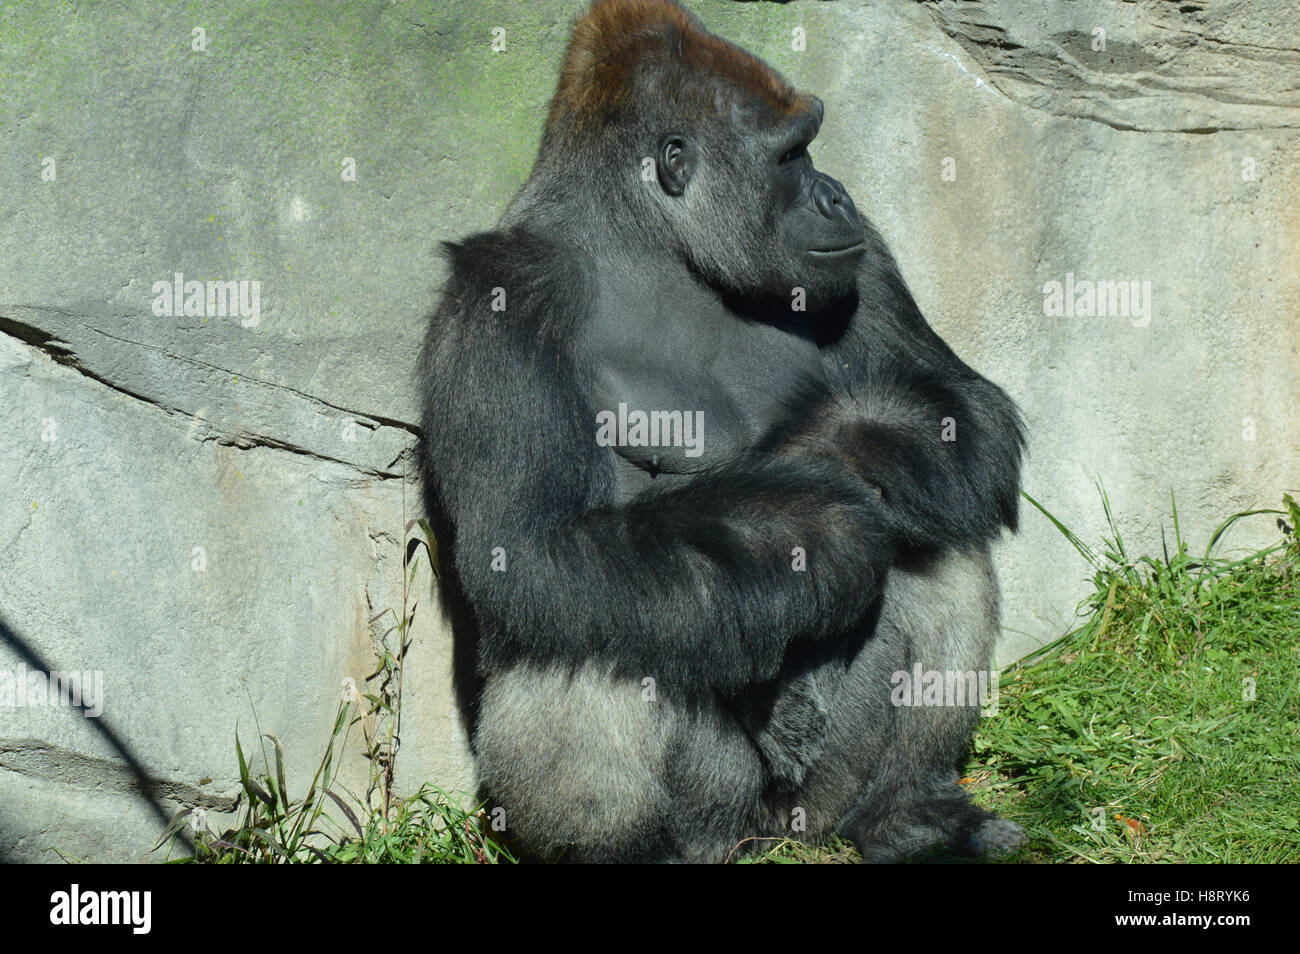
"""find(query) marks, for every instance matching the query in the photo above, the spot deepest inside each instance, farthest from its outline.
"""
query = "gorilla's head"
(700, 148)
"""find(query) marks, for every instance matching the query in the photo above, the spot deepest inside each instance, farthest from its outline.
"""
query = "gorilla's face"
(753, 214)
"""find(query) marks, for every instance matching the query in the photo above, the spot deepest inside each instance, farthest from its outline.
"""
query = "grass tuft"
(1166, 728)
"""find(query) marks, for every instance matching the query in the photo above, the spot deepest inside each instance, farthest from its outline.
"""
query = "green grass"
(330, 825)
(1167, 728)
(1135, 738)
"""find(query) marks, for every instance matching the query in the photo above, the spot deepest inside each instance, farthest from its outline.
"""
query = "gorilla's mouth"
(844, 252)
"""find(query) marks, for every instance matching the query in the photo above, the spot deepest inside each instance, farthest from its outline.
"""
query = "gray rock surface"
(279, 446)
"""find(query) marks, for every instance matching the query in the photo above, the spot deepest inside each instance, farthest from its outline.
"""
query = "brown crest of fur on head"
(615, 38)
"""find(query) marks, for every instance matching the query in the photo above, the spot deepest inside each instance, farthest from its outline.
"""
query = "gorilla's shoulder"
(522, 277)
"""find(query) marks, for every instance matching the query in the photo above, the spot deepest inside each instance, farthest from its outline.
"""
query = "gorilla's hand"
(943, 468)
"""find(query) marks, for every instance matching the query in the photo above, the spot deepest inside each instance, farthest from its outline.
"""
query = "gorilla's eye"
(795, 154)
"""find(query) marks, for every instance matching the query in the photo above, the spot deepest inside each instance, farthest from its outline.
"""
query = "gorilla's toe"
(994, 836)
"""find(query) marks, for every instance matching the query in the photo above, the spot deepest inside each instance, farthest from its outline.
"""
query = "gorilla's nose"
(833, 202)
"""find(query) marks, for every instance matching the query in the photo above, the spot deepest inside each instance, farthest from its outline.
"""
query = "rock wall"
(208, 509)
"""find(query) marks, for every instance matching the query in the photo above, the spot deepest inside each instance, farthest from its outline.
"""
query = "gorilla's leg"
(888, 776)
(590, 769)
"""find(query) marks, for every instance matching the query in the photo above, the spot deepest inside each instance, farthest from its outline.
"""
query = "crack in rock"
(52, 763)
(241, 437)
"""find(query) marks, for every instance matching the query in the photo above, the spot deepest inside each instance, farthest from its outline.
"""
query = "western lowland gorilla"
(708, 486)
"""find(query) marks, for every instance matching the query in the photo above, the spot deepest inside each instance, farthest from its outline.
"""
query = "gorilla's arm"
(902, 392)
(694, 586)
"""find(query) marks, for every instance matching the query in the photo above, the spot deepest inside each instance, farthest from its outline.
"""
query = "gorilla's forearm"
(941, 442)
(700, 588)
(945, 458)
(941, 493)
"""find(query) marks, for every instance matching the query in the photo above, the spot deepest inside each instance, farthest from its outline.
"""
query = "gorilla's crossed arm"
(940, 442)
(693, 584)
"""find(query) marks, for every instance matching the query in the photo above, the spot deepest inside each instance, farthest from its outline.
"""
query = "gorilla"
(707, 485)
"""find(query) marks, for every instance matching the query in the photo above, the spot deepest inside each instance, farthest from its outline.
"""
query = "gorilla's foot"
(955, 822)
(896, 840)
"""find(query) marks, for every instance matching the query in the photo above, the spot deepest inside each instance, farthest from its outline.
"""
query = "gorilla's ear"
(676, 162)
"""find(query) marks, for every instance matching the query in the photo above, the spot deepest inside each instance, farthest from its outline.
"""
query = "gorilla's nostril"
(826, 196)
(832, 201)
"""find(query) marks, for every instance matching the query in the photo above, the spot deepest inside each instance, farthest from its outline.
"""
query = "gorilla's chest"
(682, 384)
